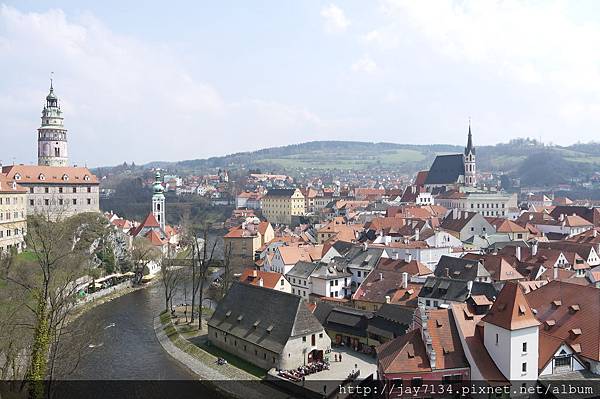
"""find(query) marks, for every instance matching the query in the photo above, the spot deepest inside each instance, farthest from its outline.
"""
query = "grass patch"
(27, 256)
(235, 361)
(204, 353)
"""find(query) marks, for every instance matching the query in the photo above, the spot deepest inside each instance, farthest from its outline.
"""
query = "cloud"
(335, 18)
(365, 64)
(122, 98)
(532, 42)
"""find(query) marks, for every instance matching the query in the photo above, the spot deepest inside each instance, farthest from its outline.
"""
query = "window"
(281, 282)
(74, 189)
(524, 347)
(358, 273)
(31, 202)
(524, 367)
(89, 202)
(46, 202)
(562, 361)
(427, 302)
(46, 190)
(313, 340)
(303, 339)
(320, 335)
(89, 189)
(60, 190)
(417, 382)
(31, 190)
(74, 201)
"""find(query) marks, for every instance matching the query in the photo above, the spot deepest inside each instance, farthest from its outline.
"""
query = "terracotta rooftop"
(10, 186)
(49, 174)
(253, 276)
(554, 303)
(511, 310)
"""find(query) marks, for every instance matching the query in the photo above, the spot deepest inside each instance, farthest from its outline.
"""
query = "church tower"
(469, 161)
(52, 135)
(158, 202)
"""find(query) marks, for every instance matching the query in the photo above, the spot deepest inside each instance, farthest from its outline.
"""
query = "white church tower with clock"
(52, 135)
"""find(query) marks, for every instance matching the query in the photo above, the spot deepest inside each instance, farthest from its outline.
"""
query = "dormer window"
(17, 176)
(65, 177)
(42, 177)
(86, 178)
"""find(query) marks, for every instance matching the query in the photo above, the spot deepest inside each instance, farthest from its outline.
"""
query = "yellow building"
(279, 205)
(13, 214)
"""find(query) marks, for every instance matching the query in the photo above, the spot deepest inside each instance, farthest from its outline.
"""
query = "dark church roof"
(446, 169)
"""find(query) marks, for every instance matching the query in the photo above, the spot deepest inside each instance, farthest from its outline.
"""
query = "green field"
(344, 160)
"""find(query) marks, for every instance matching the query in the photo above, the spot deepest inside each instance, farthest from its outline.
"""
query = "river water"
(126, 359)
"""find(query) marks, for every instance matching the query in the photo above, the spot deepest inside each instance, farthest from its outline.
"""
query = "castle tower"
(52, 135)
(469, 161)
(158, 202)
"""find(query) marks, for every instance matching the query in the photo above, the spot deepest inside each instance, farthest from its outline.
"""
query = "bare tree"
(143, 253)
(172, 277)
(62, 250)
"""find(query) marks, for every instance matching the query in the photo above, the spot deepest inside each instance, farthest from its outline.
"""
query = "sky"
(155, 80)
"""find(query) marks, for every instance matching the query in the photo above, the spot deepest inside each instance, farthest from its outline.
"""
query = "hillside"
(523, 158)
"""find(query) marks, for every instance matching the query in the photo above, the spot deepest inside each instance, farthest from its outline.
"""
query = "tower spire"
(51, 79)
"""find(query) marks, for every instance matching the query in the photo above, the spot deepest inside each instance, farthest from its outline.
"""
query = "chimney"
(254, 273)
(555, 273)
(594, 230)
(407, 257)
(447, 272)
(260, 282)
(534, 248)
(417, 235)
(396, 255)
(561, 217)
(387, 299)
(469, 286)
(404, 280)
(380, 276)
(518, 253)
(365, 246)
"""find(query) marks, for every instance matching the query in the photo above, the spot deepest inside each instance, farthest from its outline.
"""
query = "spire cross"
(51, 79)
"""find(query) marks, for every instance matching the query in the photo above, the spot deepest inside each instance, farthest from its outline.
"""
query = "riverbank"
(226, 379)
(85, 307)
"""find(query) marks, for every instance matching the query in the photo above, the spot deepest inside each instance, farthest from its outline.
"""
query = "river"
(125, 348)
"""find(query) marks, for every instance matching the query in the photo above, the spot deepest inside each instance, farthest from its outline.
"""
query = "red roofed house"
(431, 352)
(272, 280)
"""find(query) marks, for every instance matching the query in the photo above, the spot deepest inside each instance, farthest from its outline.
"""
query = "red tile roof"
(555, 300)
(51, 174)
(511, 310)
(253, 276)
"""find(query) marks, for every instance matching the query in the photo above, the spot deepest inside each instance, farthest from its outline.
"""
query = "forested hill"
(524, 158)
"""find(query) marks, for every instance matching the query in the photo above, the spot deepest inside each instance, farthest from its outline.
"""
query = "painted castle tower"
(52, 135)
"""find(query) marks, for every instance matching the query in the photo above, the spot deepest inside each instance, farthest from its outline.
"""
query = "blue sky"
(181, 80)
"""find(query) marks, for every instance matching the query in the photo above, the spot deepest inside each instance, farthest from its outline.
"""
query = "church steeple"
(469, 161)
(158, 201)
(52, 135)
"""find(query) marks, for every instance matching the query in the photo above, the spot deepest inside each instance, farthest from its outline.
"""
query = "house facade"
(279, 205)
(268, 328)
(13, 215)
